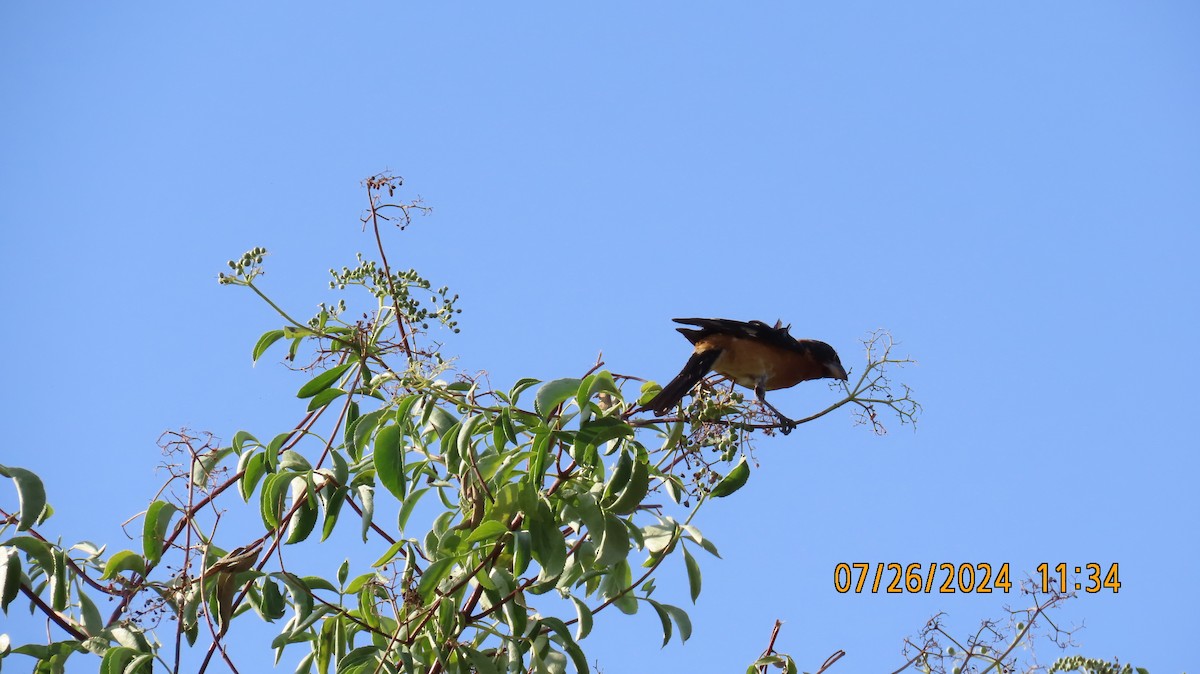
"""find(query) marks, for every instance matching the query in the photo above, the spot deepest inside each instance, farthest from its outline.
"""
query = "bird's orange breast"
(750, 362)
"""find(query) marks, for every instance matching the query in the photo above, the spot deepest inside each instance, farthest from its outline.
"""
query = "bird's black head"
(829, 358)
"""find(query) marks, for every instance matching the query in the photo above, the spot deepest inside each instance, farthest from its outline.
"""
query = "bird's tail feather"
(697, 366)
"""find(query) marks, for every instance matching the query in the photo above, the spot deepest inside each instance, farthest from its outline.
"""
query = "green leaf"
(434, 574)
(319, 583)
(693, 572)
(449, 443)
(665, 619)
(299, 592)
(548, 547)
(660, 536)
(271, 498)
(407, 507)
(191, 614)
(616, 580)
(277, 443)
(325, 397)
(499, 436)
(626, 603)
(600, 382)
(294, 347)
(252, 466)
(596, 432)
(619, 478)
(305, 517)
(367, 608)
(674, 488)
(322, 381)
(501, 582)
(681, 620)
(568, 643)
(357, 582)
(516, 615)
(583, 615)
(511, 498)
(359, 661)
(365, 427)
(348, 433)
(368, 379)
(10, 576)
(520, 387)
(390, 554)
(441, 421)
(125, 560)
(241, 438)
(614, 545)
(202, 467)
(366, 494)
(635, 491)
(268, 338)
(141, 664)
(39, 550)
(271, 605)
(539, 458)
(510, 429)
(554, 393)
(324, 647)
(479, 662)
(116, 659)
(522, 551)
(154, 529)
(341, 469)
(294, 461)
(333, 507)
(486, 530)
(404, 410)
(466, 438)
(732, 482)
(92, 622)
(694, 534)
(780, 661)
(389, 460)
(31, 495)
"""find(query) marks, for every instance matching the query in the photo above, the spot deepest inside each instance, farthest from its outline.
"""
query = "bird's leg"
(787, 424)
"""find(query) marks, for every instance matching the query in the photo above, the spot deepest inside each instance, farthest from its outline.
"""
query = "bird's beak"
(837, 371)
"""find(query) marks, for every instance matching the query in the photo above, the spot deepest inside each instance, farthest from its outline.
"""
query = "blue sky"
(1011, 190)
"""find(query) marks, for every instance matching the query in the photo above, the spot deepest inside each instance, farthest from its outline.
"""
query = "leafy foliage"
(522, 514)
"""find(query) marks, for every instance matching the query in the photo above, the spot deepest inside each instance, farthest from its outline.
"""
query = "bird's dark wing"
(695, 369)
(778, 336)
(756, 330)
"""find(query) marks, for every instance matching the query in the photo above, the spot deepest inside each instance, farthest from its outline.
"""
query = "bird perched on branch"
(755, 355)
